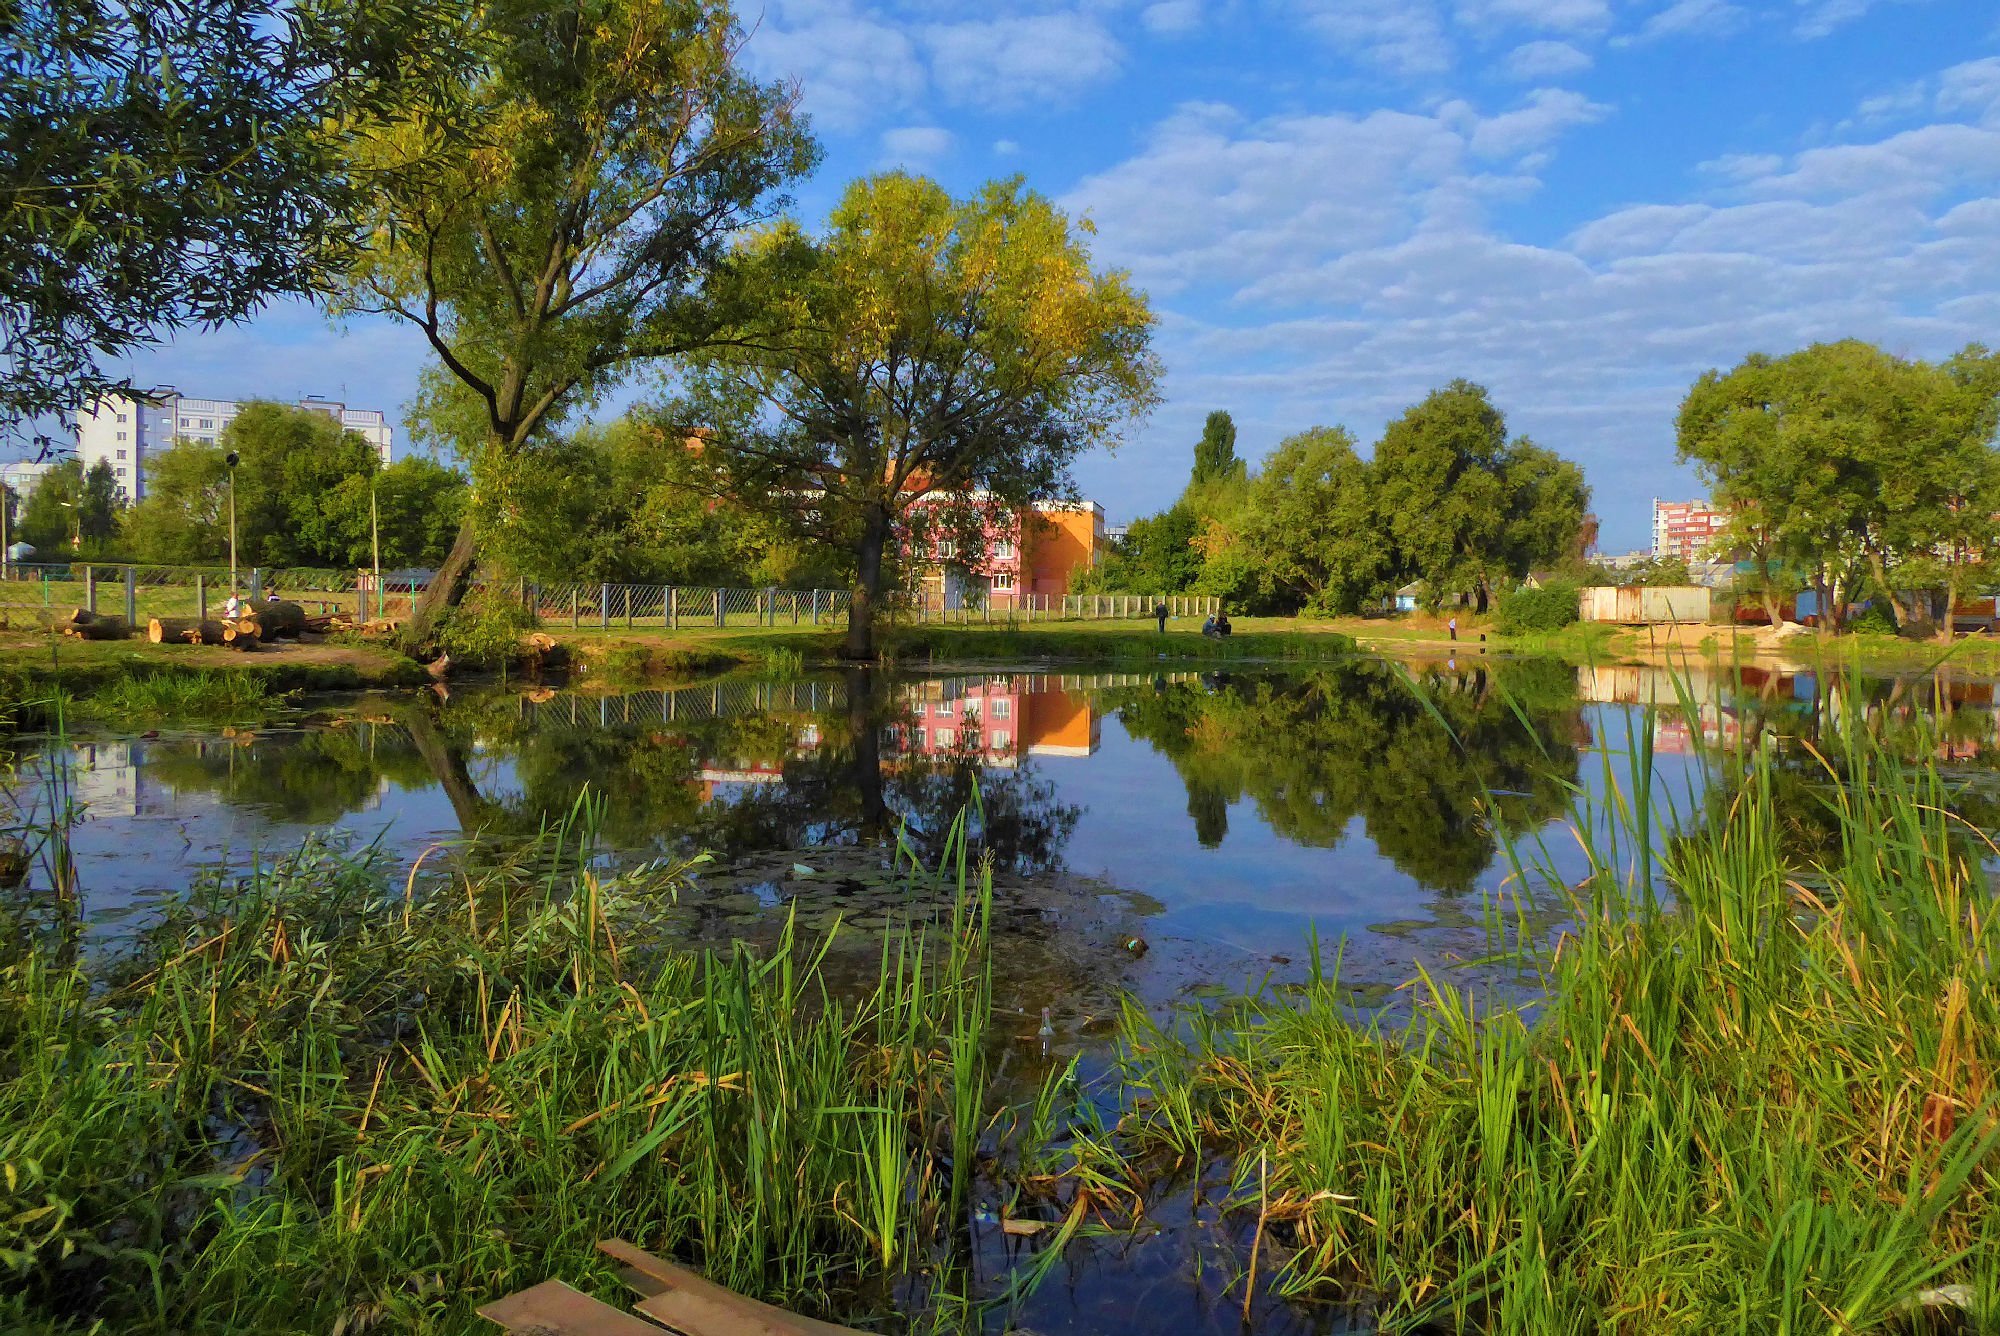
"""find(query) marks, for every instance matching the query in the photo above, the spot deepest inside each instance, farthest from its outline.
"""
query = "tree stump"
(192, 630)
(274, 621)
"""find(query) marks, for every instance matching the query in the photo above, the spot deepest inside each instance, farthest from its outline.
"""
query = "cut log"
(193, 630)
(274, 621)
(236, 636)
(87, 625)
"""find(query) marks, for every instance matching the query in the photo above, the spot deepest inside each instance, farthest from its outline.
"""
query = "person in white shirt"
(233, 608)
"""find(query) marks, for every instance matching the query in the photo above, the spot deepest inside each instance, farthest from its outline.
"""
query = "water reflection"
(1249, 807)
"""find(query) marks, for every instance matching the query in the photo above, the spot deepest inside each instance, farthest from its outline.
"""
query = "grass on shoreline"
(1762, 1100)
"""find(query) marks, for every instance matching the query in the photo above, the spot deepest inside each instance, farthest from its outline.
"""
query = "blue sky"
(1339, 204)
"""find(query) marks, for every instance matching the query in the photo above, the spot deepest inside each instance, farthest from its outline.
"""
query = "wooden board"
(696, 1306)
(554, 1309)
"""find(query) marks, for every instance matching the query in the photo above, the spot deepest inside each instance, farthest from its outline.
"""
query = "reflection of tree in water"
(1807, 725)
(312, 776)
(848, 791)
(1315, 751)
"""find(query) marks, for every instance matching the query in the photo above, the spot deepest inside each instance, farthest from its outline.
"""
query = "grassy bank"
(40, 661)
(1760, 1100)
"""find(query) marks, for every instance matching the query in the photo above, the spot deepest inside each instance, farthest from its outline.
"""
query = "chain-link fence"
(44, 594)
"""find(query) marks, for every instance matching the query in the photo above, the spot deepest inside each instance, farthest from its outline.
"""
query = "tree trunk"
(240, 637)
(867, 585)
(864, 724)
(193, 630)
(447, 588)
(87, 625)
(275, 621)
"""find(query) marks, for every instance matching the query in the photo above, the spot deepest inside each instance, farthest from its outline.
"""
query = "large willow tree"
(554, 215)
(926, 347)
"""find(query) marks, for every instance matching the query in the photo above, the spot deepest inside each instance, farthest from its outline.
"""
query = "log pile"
(87, 625)
(189, 630)
(276, 620)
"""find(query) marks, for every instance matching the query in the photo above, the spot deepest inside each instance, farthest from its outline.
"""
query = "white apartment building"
(22, 475)
(124, 432)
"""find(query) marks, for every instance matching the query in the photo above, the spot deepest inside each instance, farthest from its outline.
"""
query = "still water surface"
(1172, 834)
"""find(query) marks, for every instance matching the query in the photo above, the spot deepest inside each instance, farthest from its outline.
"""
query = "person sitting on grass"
(1222, 627)
(1208, 627)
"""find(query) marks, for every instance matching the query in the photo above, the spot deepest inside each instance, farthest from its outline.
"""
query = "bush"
(485, 631)
(1876, 619)
(1525, 611)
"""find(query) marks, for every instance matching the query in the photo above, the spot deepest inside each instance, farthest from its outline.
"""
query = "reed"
(205, 696)
(1746, 1094)
(329, 1098)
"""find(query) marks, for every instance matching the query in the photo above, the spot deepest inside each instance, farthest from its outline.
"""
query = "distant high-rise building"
(22, 475)
(1683, 530)
(125, 432)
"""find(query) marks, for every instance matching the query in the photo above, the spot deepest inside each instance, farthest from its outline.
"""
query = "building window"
(1000, 739)
(971, 711)
(121, 435)
(1003, 581)
(121, 418)
(920, 735)
(946, 736)
(121, 473)
(947, 548)
(121, 454)
(208, 424)
(999, 709)
(187, 422)
(1004, 549)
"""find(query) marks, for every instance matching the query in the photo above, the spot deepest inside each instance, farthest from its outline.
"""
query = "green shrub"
(485, 631)
(1876, 620)
(1526, 611)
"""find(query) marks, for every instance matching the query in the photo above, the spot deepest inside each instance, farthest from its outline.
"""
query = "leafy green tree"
(174, 163)
(1846, 463)
(184, 517)
(1157, 554)
(934, 348)
(1215, 453)
(1465, 508)
(419, 506)
(551, 218)
(291, 506)
(99, 504)
(48, 515)
(1313, 526)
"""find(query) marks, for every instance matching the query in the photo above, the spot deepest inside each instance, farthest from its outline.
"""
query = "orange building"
(1061, 539)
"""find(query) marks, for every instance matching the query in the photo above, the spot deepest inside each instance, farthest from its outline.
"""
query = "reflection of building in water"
(108, 778)
(998, 719)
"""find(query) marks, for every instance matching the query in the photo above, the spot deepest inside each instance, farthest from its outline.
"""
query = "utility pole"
(230, 460)
(375, 538)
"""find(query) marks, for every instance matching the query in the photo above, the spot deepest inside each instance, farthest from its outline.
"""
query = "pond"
(1167, 834)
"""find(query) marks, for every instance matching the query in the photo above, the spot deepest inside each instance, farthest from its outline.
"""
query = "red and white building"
(1685, 530)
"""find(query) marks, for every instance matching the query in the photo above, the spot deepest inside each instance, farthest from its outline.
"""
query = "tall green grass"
(209, 696)
(327, 1099)
(1752, 1096)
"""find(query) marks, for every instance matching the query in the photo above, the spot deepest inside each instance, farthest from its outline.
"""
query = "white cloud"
(1544, 60)
(1824, 17)
(1011, 62)
(1689, 18)
(1171, 16)
(916, 145)
(1334, 268)
(1555, 15)
(851, 64)
(1547, 113)
(1402, 37)
(1972, 87)
(1006, 148)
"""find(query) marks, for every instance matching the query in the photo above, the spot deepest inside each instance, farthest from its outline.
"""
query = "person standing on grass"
(1160, 615)
(1452, 626)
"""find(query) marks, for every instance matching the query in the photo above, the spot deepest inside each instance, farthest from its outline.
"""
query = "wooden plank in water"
(692, 1304)
(554, 1309)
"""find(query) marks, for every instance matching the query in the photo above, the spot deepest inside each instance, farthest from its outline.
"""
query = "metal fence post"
(90, 589)
(674, 607)
(132, 596)
(575, 608)
(815, 607)
(721, 616)
(200, 598)
(604, 607)
(256, 585)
